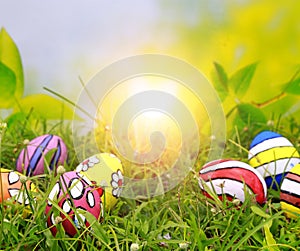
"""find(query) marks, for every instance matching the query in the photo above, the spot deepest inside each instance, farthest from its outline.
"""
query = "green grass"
(181, 219)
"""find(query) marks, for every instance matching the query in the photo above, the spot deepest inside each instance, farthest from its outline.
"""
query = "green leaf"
(46, 107)
(251, 114)
(240, 81)
(259, 212)
(270, 239)
(220, 81)
(7, 86)
(10, 56)
(238, 123)
(292, 87)
(15, 118)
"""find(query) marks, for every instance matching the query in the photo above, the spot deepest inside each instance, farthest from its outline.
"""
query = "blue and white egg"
(272, 155)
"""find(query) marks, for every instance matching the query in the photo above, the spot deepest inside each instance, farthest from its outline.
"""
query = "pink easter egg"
(31, 160)
(74, 194)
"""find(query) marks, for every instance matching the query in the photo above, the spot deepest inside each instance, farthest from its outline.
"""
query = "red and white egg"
(75, 195)
(232, 179)
(31, 160)
(290, 193)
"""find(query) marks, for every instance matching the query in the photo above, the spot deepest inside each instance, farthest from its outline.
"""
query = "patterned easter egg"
(31, 160)
(106, 171)
(290, 193)
(272, 155)
(12, 188)
(75, 195)
(232, 178)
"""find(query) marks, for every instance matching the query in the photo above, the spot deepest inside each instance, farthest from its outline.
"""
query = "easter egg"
(272, 155)
(104, 170)
(12, 188)
(232, 178)
(31, 160)
(75, 195)
(290, 193)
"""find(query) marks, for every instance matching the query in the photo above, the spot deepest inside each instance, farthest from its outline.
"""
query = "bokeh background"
(62, 40)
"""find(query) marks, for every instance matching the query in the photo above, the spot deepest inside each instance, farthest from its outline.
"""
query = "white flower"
(167, 236)
(86, 164)
(23, 179)
(270, 123)
(183, 245)
(60, 169)
(26, 142)
(212, 137)
(134, 247)
(236, 202)
(117, 183)
(3, 125)
(57, 220)
(213, 210)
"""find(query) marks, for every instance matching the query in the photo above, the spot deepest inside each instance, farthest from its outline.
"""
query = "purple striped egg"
(31, 160)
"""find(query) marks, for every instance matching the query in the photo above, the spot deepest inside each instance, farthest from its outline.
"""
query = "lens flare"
(152, 111)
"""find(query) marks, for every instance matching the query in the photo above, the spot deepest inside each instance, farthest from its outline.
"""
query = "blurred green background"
(61, 40)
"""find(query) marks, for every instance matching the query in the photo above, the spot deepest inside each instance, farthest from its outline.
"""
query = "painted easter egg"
(290, 193)
(233, 179)
(75, 195)
(272, 155)
(106, 171)
(12, 188)
(31, 160)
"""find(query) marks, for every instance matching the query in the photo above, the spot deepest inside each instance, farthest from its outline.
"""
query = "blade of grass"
(249, 233)
(69, 101)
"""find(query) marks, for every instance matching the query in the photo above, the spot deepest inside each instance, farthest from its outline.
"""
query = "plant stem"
(269, 101)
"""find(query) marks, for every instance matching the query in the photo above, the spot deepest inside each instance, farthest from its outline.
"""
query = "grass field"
(181, 219)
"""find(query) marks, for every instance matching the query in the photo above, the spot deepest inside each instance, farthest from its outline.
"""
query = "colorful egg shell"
(290, 193)
(106, 171)
(272, 155)
(74, 195)
(31, 160)
(232, 178)
(12, 188)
